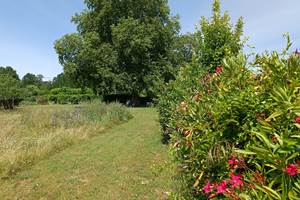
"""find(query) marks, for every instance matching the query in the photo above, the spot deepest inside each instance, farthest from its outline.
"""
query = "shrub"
(33, 94)
(234, 125)
(235, 131)
(70, 95)
(42, 100)
(217, 38)
(10, 91)
(274, 152)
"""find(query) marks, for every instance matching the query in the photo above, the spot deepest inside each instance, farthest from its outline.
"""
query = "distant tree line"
(33, 89)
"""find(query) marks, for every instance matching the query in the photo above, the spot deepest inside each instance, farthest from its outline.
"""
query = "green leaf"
(272, 166)
(273, 192)
(260, 150)
(245, 196)
(264, 139)
(297, 125)
(294, 155)
(274, 115)
(292, 197)
(244, 152)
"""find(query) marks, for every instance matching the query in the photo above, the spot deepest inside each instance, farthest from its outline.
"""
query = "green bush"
(70, 95)
(235, 131)
(10, 91)
(234, 125)
(33, 94)
(216, 39)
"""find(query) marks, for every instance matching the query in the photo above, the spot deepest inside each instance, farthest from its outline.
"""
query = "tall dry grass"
(32, 133)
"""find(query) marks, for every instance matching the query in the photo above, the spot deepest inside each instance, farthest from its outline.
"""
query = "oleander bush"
(234, 125)
(235, 131)
(216, 39)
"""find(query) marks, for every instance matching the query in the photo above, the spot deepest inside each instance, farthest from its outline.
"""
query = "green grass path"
(125, 162)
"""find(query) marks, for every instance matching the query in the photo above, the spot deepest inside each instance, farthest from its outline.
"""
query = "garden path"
(126, 162)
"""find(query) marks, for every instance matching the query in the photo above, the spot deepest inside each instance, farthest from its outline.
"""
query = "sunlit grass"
(34, 132)
(125, 162)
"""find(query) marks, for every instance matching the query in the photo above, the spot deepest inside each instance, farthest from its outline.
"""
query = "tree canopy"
(31, 79)
(9, 71)
(217, 38)
(61, 80)
(120, 46)
(10, 89)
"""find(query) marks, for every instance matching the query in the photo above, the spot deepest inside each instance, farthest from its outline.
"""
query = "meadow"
(90, 151)
(31, 133)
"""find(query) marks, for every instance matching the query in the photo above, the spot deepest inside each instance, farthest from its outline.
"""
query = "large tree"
(121, 46)
(31, 79)
(10, 90)
(9, 71)
(61, 80)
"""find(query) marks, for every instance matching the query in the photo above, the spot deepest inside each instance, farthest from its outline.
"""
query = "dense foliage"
(236, 134)
(32, 89)
(10, 88)
(216, 39)
(70, 95)
(234, 125)
(9, 71)
(121, 47)
(31, 79)
(61, 80)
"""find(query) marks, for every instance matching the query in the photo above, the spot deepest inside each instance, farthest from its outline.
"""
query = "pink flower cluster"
(207, 188)
(292, 170)
(297, 119)
(233, 162)
(226, 187)
(229, 186)
(219, 70)
(236, 181)
(222, 188)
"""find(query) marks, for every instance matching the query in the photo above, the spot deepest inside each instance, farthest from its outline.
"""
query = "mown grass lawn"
(125, 162)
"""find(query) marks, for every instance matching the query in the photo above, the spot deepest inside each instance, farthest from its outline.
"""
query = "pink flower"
(207, 187)
(233, 162)
(219, 70)
(291, 169)
(222, 187)
(236, 181)
(297, 53)
(297, 119)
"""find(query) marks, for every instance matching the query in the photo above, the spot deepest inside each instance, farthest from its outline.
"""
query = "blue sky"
(28, 28)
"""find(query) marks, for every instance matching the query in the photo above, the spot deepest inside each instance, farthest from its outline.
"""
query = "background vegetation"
(128, 47)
